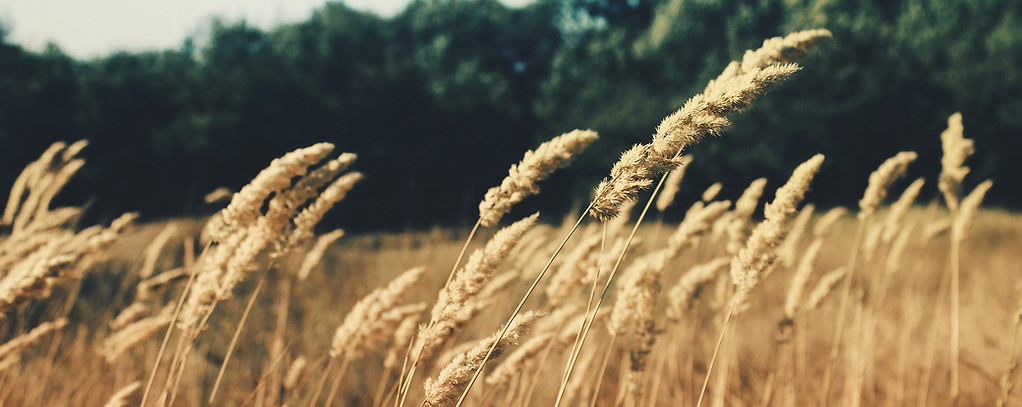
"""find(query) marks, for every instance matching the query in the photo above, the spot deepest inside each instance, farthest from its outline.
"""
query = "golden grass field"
(912, 319)
(722, 308)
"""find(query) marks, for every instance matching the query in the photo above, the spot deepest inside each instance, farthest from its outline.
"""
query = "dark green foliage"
(439, 100)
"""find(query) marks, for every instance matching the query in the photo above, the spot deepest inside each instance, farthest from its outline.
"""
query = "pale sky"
(92, 28)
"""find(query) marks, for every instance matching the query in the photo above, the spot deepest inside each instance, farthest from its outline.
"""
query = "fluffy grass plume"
(516, 362)
(130, 335)
(704, 114)
(245, 206)
(243, 230)
(967, 210)
(123, 396)
(758, 253)
(375, 317)
(313, 257)
(744, 207)
(672, 184)
(453, 378)
(881, 179)
(900, 208)
(824, 287)
(800, 278)
(11, 350)
(788, 252)
(953, 170)
(712, 192)
(449, 310)
(535, 166)
(825, 224)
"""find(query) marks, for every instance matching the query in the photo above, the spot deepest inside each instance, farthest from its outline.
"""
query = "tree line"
(441, 98)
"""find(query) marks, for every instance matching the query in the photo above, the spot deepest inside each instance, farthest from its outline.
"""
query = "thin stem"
(392, 392)
(655, 378)
(603, 370)
(576, 346)
(955, 313)
(846, 293)
(166, 336)
(617, 266)
(234, 340)
(378, 399)
(716, 349)
(464, 248)
(322, 380)
(337, 384)
(262, 379)
(1006, 384)
(929, 353)
(406, 376)
(521, 303)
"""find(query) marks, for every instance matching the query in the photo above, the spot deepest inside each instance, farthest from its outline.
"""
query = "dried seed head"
(967, 210)
(744, 208)
(881, 179)
(956, 149)
(535, 166)
(672, 184)
(454, 377)
(758, 253)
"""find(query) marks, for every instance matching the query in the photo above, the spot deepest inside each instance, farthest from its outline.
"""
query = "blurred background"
(439, 97)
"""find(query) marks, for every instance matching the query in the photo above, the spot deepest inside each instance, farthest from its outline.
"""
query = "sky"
(93, 28)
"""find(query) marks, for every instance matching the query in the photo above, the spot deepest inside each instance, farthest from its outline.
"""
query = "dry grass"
(910, 317)
(271, 317)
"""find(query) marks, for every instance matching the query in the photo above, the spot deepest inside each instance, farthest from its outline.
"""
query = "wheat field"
(904, 299)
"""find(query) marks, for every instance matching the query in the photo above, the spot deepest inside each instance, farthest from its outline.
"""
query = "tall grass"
(634, 313)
